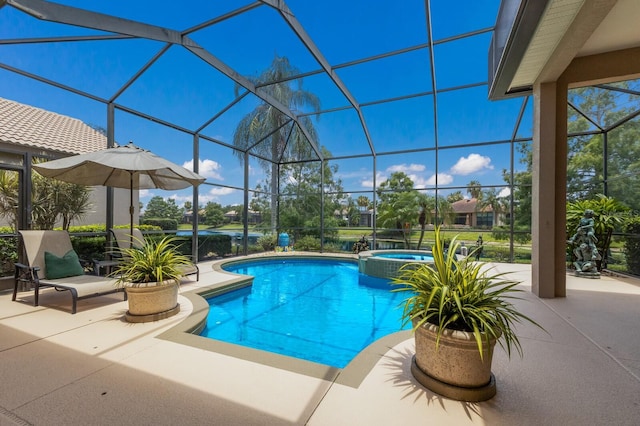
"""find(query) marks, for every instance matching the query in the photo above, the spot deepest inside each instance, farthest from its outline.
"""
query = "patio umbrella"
(126, 166)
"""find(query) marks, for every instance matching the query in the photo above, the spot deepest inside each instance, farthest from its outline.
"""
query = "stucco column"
(549, 191)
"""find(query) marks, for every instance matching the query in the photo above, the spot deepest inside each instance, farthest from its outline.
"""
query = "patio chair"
(53, 263)
(122, 238)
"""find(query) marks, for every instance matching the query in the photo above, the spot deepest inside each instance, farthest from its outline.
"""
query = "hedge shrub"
(632, 245)
(214, 245)
(307, 243)
(267, 242)
(8, 252)
(163, 223)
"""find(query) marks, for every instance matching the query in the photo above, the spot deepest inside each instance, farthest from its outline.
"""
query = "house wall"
(121, 202)
(550, 161)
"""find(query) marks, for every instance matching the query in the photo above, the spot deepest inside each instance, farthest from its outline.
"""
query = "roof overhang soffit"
(535, 41)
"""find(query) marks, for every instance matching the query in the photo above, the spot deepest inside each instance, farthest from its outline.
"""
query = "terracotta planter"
(152, 302)
(454, 370)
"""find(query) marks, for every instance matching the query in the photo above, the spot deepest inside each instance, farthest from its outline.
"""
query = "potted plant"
(150, 275)
(458, 310)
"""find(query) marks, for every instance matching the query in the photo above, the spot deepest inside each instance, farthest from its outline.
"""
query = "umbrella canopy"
(126, 166)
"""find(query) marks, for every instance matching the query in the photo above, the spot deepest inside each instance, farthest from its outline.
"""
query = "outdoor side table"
(98, 265)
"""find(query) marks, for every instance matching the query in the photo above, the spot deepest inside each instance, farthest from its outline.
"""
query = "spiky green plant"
(458, 293)
(152, 261)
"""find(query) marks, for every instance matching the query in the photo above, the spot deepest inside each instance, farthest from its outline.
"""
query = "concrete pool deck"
(92, 368)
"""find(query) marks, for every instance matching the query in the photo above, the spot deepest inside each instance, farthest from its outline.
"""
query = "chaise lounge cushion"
(62, 267)
(60, 253)
(86, 285)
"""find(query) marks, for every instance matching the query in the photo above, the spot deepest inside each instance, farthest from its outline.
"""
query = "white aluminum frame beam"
(83, 18)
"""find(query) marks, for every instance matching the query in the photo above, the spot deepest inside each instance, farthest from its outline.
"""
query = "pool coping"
(186, 332)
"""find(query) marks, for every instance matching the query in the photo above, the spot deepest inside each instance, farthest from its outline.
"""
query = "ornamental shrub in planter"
(459, 310)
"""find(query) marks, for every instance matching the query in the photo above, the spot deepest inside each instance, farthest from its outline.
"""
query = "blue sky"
(182, 89)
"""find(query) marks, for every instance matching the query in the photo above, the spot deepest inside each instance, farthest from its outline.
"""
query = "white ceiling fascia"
(552, 28)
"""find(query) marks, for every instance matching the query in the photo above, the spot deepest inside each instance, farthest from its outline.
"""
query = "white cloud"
(207, 168)
(368, 183)
(178, 198)
(505, 192)
(413, 171)
(406, 168)
(217, 191)
(443, 179)
(214, 195)
(355, 174)
(418, 181)
(471, 164)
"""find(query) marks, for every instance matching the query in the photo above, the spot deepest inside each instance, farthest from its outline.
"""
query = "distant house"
(468, 213)
(232, 216)
(27, 131)
(255, 217)
(366, 218)
(342, 214)
(187, 217)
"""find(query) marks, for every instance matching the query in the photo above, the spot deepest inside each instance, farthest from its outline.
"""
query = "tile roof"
(22, 124)
(468, 206)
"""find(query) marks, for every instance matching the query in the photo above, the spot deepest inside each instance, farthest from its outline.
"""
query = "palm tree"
(401, 214)
(455, 196)
(399, 203)
(446, 215)
(491, 199)
(363, 202)
(474, 188)
(269, 133)
(427, 206)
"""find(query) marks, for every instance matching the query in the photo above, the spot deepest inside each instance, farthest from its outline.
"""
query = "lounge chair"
(122, 238)
(53, 263)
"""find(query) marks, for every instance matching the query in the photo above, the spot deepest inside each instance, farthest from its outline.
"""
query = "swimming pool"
(323, 311)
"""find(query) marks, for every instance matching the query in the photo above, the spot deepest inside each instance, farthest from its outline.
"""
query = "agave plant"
(460, 294)
(151, 261)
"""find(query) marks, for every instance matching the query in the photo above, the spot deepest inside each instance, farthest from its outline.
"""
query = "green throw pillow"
(61, 267)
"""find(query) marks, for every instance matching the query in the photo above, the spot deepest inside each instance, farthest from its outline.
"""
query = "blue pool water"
(406, 256)
(318, 310)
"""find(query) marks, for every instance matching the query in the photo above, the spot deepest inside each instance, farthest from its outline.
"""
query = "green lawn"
(493, 249)
(467, 236)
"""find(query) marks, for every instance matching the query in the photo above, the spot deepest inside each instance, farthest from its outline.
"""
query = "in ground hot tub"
(386, 263)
